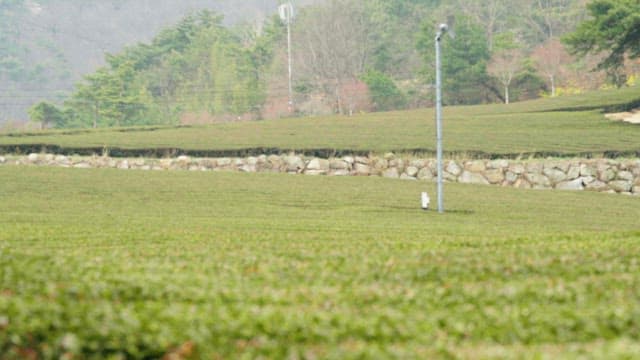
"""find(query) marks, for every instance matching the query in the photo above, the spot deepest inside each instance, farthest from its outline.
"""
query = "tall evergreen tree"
(614, 30)
(464, 62)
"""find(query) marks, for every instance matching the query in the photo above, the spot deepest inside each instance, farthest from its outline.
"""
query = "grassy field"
(566, 126)
(107, 263)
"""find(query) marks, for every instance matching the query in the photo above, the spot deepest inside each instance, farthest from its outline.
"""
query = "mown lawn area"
(126, 264)
(567, 126)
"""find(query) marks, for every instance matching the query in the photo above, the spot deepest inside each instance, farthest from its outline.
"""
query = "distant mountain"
(86, 29)
(46, 46)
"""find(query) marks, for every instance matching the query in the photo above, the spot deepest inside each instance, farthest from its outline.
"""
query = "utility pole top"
(286, 12)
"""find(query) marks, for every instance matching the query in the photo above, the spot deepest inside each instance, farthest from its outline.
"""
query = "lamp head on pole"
(287, 13)
(447, 28)
(442, 29)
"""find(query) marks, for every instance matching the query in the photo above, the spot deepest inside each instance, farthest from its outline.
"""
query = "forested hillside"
(348, 56)
(46, 46)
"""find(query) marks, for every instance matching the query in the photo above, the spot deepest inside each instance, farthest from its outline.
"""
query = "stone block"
(380, 164)
(574, 185)
(391, 173)
(274, 159)
(397, 163)
(426, 174)
(433, 165)
(495, 176)
(418, 163)
(209, 163)
(336, 164)
(252, 161)
(449, 177)
(248, 168)
(318, 165)
(349, 160)
(453, 168)
(362, 169)
(82, 165)
(469, 177)
(555, 175)
(620, 186)
(517, 169)
(586, 170)
(573, 172)
(597, 185)
(293, 163)
(606, 175)
(362, 160)
(340, 173)
(476, 166)
(625, 175)
(511, 177)
(534, 168)
(603, 166)
(412, 171)
(558, 165)
(315, 172)
(498, 164)
(538, 180)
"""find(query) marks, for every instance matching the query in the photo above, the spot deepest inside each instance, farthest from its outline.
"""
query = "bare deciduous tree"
(504, 66)
(550, 58)
(333, 43)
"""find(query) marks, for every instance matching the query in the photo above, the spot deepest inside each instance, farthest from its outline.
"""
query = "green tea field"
(566, 126)
(126, 264)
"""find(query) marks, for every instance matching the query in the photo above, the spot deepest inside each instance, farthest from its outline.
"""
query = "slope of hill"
(568, 126)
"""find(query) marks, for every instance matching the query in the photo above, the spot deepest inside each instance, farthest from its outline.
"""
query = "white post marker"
(426, 201)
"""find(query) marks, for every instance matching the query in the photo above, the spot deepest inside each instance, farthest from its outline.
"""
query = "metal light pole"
(441, 31)
(286, 15)
(290, 66)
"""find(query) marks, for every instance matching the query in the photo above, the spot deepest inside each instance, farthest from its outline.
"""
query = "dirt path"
(630, 117)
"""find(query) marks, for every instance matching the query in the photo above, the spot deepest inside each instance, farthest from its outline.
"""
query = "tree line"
(350, 56)
(47, 46)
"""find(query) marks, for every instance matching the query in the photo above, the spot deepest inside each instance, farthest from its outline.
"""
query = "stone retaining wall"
(602, 175)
